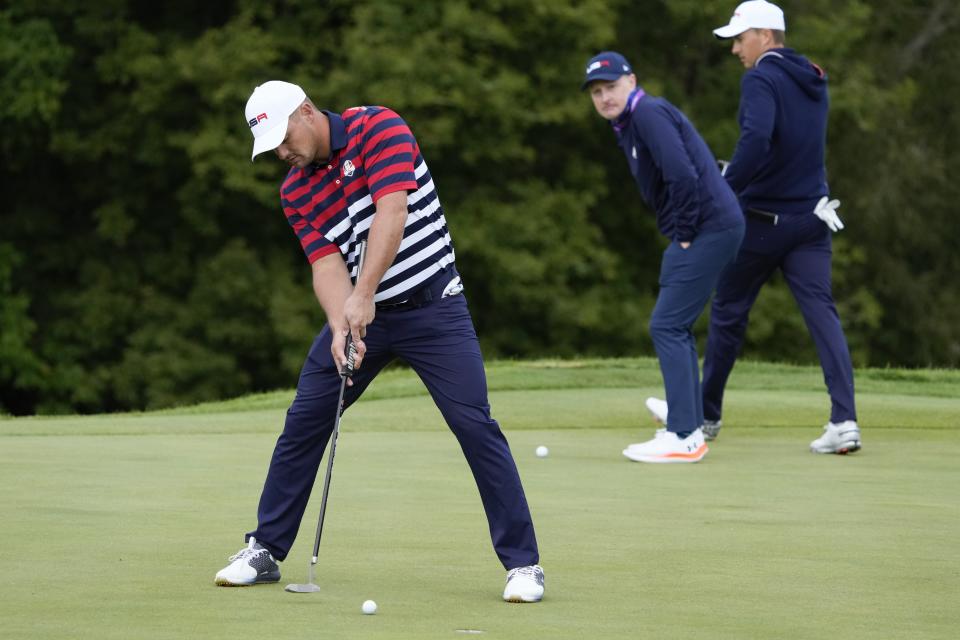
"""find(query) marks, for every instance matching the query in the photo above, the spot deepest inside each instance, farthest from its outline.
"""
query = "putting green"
(115, 525)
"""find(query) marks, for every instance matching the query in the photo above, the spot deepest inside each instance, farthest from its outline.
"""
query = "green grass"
(115, 525)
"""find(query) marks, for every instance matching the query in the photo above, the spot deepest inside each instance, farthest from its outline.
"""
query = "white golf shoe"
(524, 584)
(658, 409)
(711, 429)
(251, 565)
(666, 447)
(838, 438)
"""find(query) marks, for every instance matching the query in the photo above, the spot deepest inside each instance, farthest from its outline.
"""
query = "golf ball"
(369, 607)
(542, 451)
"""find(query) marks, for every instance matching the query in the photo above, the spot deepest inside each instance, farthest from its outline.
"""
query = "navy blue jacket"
(676, 172)
(778, 164)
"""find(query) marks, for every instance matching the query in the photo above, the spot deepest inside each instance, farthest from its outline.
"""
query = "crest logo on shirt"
(348, 168)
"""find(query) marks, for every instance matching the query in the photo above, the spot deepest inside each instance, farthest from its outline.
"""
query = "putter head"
(302, 588)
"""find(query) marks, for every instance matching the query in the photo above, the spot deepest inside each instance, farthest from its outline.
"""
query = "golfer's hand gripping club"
(348, 355)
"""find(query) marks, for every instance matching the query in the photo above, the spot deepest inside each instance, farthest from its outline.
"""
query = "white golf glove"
(827, 211)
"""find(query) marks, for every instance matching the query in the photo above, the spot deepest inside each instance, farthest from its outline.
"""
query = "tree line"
(145, 262)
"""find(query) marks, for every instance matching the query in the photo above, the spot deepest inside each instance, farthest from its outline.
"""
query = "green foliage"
(20, 368)
(144, 261)
(32, 85)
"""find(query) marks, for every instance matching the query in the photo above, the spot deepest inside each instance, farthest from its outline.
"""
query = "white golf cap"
(755, 14)
(268, 111)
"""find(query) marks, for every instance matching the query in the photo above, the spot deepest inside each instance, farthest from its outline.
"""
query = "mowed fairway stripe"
(526, 409)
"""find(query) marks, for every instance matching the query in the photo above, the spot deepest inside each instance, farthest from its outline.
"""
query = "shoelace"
(246, 552)
(530, 572)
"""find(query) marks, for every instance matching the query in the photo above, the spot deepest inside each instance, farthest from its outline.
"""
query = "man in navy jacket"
(679, 180)
(778, 174)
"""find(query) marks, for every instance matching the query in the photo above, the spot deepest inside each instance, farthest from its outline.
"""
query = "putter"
(311, 585)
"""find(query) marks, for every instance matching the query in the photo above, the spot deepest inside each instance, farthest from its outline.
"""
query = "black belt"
(432, 290)
(763, 216)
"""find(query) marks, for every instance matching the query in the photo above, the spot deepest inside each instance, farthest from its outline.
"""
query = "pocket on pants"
(676, 266)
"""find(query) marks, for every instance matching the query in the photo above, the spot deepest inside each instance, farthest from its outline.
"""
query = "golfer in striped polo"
(359, 176)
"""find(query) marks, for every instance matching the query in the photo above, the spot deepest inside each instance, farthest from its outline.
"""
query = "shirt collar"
(770, 52)
(338, 132)
(338, 138)
(621, 121)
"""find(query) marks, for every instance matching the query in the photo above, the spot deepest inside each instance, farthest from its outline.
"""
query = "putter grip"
(352, 349)
(351, 355)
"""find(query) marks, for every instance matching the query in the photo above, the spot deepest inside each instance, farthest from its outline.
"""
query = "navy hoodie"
(675, 170)
(778, 164)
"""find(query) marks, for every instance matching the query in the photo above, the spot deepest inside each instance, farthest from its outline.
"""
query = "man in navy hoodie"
(679, 180)
(778, 173)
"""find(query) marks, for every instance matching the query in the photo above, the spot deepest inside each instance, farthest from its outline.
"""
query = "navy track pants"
(801, 247)
(687, 278)
(439, 342)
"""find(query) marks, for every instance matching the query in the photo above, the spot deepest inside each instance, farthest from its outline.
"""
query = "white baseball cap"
(755, 14)
(268, 111)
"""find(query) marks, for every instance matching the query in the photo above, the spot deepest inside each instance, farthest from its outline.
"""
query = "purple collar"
(620, 123)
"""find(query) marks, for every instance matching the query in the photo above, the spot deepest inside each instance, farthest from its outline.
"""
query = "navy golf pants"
(800, 246)
(687, 278)
(439, 342)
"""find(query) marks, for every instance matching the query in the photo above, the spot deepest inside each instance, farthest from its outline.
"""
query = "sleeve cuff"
(323, 252)
(393, 188)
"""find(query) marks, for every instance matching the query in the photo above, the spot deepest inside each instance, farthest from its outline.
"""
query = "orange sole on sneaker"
(670, 458)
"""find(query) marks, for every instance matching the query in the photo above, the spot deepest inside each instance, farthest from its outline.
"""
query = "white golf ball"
(369, 607)
(542, 451)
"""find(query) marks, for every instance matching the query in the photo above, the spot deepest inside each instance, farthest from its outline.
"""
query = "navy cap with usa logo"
(606, 65)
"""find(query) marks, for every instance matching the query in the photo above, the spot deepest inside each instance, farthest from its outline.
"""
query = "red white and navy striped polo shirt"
(331, 205)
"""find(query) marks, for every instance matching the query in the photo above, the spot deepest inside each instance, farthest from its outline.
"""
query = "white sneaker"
(666, 447)
(711, 429)
(838, 438)
(658, 409)
(251, 565)
(524, 584)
